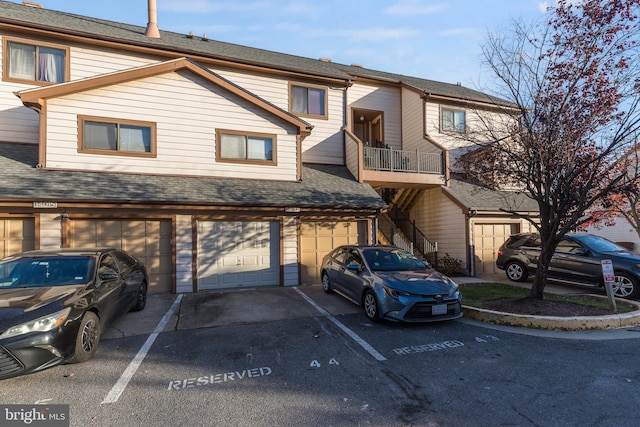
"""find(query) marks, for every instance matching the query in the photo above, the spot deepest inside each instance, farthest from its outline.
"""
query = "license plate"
(439, 309)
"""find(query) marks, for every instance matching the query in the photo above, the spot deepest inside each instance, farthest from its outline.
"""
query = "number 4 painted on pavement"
(316, 364)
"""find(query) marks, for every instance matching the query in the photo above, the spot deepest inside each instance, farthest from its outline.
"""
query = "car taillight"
(500, 253)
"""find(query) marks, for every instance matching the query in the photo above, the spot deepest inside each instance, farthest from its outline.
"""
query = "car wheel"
(626, 286)
(326, 284)
(141, 299)
(516, 271)
(370, 305)
(87, 338)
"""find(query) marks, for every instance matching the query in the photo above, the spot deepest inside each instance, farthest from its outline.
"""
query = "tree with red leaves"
(572, 84)
(625, 205)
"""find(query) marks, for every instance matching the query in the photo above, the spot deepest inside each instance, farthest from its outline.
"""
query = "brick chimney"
(152, 27)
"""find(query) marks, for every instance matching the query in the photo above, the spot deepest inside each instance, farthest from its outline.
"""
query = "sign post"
(609, 278)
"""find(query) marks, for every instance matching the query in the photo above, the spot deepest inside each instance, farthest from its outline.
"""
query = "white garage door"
(487, 240)
(147, 240)
(320, 237)
(234, 254)
(16, 235)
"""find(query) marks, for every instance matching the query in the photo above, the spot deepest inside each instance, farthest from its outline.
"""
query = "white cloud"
(543, 6)
(366, 34)
(206, 6)
(413, 8)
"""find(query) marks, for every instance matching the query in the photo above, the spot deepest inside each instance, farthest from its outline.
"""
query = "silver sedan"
(390, 283)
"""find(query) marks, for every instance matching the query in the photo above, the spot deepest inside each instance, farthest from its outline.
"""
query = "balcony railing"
(389, 159)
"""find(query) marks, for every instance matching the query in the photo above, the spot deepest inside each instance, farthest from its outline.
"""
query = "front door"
(368, 127)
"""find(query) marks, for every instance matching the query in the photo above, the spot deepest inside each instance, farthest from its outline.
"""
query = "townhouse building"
(225, 166)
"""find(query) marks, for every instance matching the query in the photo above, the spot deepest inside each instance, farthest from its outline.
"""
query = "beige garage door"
(147, 240)
(487, 240)
(16, 235)
(320, 237)
(236, 254)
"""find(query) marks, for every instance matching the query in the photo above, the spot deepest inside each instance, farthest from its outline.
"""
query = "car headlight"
(394, 293)
(42, 324)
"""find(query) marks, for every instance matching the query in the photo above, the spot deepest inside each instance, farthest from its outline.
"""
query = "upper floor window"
(44, 63)
(308, 100)
(115, 136)
(453, 120)
(246, 147)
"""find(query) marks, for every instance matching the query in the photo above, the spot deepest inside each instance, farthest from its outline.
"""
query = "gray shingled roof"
(479, 198)
(323, 186)
(101, 29)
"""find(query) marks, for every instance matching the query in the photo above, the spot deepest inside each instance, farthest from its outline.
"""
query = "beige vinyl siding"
(412, 122)
(290, 276)
(325, 144)
(21, 124)
(184, 253)
(379, 98)
(17, 122)
(444, 222)
(353, 154)
(187, 111)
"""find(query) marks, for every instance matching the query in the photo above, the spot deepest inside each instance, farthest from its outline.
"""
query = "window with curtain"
(117, 136)
(245, 147)
(453, 120)
(36, 63)
(309, 101)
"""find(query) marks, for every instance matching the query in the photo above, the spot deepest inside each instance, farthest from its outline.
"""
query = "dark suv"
(575, 261)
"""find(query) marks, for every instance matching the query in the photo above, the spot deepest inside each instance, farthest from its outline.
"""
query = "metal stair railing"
(403, 233)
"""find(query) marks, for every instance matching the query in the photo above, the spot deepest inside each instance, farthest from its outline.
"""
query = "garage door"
(234, 254)
(147, 240)
(318, 238)
(487, 240)
(16, 235)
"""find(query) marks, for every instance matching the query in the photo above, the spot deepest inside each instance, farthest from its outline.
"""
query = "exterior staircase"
(395, 228)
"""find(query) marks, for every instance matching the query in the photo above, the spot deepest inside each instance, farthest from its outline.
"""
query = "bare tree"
(573, 90)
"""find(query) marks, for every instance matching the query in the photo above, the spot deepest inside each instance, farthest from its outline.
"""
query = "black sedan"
(390, 283)
(55, 303)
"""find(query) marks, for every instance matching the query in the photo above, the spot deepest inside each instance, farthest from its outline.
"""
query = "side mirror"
(353, 266)
(582, 251)
(108, 275)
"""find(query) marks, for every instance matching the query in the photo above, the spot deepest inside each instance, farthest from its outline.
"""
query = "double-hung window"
(453, 120)
(114, 136)
(40, 63)
(236, 146)
(308, 100)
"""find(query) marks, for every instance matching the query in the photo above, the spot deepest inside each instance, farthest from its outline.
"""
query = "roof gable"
(96, 30)
(34, 97)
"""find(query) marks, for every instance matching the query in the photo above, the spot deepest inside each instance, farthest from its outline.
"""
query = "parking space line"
(372, 351)
(126, 376)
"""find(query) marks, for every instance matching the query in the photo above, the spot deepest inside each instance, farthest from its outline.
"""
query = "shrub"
(449, 265)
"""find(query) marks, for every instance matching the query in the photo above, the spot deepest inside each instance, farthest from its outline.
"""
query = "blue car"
(390, 283)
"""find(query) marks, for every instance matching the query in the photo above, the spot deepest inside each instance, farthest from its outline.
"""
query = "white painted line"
(126, 376)
(372, 351)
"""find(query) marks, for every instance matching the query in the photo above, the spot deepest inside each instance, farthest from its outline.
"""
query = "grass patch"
(477, 294)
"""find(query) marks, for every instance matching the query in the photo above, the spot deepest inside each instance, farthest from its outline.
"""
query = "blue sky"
(439, 40)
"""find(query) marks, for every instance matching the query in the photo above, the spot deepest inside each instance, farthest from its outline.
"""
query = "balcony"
(386, 167)
(388, 159)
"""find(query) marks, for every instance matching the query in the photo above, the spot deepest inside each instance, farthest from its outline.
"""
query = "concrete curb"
(579, 323)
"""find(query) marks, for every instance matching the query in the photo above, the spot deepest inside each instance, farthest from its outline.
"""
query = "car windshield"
(46, 271)
(390, 259)
(600, 244)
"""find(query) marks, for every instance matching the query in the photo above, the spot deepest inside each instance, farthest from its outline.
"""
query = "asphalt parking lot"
(298, 356)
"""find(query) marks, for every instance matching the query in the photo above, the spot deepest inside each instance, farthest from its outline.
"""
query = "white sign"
(45, 205)
(607, 270)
